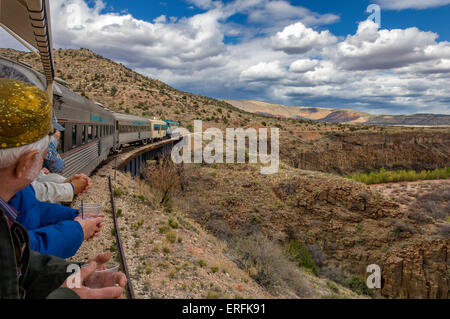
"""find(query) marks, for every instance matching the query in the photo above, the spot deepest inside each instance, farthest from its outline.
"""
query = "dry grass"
(267, 265)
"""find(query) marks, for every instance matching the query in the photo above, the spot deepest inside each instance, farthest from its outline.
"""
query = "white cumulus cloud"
(297, 39)
(371, 48)
(303, 65)
(411, 4)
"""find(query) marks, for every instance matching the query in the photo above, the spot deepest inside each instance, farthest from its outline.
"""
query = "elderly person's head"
(25, 122)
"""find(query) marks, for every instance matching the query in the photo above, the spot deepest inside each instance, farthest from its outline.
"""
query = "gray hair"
(9, 156)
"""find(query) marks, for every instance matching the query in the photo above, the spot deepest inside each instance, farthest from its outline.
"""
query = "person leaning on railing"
(25, 122)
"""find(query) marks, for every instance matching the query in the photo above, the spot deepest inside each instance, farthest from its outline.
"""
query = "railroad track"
(123, 261)
(118, 166)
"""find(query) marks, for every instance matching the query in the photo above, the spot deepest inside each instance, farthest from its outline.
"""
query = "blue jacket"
(51, 227)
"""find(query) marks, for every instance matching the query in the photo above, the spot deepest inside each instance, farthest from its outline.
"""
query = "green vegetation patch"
(385, 176)
(297, 252)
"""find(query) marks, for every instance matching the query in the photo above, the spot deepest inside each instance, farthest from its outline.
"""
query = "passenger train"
(92, 131)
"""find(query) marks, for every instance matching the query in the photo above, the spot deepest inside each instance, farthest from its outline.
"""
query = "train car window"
(67, 137)
(94, 131)
(74, 136)
(83, 134)
(61, 140)
(90, 132)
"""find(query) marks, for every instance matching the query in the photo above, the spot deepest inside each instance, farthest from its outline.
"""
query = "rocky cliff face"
(418, 271)
(345, 153)
(353, 228)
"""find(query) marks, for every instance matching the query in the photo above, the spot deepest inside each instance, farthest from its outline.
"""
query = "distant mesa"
(328, 115)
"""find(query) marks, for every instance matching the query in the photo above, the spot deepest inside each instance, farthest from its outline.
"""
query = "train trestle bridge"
(133, 162)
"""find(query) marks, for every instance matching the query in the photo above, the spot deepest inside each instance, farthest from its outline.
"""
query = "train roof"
(158, 122)
(127, 117)
(172, 122)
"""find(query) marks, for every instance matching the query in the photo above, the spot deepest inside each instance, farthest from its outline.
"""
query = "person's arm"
(62, 239)
(53, 192)
(55, 213)
(44, 277)
(54, 178)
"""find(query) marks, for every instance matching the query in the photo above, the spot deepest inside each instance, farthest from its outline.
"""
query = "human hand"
(113, 283)
(57, 135)
(101, 260)
(91, 228)
(102, 279)
(45, 171)
(81, 183)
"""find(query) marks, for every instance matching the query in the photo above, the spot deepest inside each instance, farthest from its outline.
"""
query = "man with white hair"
(25, 122)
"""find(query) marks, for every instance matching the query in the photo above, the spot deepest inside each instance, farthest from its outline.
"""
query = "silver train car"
(92, 132)
(131, 129)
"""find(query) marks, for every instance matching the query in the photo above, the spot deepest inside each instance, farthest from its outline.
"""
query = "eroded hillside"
(345, 224)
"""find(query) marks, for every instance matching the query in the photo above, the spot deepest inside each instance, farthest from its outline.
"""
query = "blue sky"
(431, 19)
(307, 53)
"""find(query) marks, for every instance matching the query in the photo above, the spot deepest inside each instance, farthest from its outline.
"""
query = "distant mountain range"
(338, 115)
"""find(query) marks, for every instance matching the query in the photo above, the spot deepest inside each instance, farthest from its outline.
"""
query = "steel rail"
(123, 261)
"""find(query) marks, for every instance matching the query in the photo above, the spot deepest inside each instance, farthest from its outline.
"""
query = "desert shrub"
(164, 229)
(297, 252)
(173, 223)
(171, 237)
(435, 204)
(219, 228)
(445, 231)
(317, 255)
(358, 284)
(214, 269)
(332, 272)
(265, 262)
(164, 180)
(419, 217)
(117, 192)
(333, 287)
(402, 227)
(213, 295)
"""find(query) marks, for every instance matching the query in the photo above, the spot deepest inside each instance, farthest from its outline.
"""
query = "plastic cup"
(90, 210)
(110, 266)
(99, 280)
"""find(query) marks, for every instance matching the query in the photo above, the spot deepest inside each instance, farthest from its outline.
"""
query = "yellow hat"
(25, 114)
